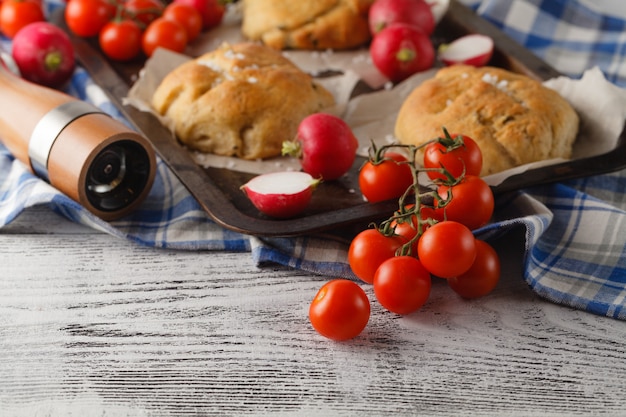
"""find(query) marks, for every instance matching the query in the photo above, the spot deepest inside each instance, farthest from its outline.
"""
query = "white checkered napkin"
(581, 258)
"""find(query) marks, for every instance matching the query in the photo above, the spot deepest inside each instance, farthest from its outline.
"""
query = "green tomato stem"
(403, 215)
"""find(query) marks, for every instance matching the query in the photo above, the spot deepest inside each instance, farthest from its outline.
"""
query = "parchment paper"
(600, 104)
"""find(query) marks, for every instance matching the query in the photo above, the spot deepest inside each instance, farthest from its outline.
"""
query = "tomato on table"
(120, 40)
(482, 277)
(15, 14)
(340, 310)
(402, 284)
(86, 18)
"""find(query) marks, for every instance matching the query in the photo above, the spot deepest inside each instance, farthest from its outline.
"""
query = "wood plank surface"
(91, 325)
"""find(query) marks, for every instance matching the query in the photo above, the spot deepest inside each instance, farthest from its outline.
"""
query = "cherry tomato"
(143, 12)
(212, 11)
(87, 17)
(15, 14)
(187, 16)
(120, 40)
(482, 277)
(447, 249)
(166, 34)
(408, 227)
(369, 249)
(467, 156)
(402, 284)
(472, 202)
(340, 310)
(385, 180)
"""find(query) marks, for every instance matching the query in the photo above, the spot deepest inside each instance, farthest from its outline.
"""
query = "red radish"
(472, 49)
(281, 194)
(413, 12)
(44, 54)
(212, 11)
(401, 50)
(325, 145)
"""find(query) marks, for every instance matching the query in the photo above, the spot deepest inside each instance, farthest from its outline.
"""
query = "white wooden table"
(91, 325)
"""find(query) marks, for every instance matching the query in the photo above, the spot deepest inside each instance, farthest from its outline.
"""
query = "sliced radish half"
(281, 194)
(475, 50)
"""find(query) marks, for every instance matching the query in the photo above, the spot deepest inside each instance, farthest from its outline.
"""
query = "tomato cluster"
(431, 233)
(125, 30)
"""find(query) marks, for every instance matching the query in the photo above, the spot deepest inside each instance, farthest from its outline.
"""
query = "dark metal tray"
(336, 204)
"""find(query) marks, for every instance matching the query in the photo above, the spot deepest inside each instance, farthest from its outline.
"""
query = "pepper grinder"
(91, 157)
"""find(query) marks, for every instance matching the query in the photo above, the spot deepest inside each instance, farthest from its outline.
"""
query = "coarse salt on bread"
(239, 100)
(514, 119)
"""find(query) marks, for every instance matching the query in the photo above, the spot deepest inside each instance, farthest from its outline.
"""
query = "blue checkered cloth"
(575, 231)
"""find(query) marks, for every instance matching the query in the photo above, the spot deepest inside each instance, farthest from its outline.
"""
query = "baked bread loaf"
(514, 119)
(239, 100)
(309, 24)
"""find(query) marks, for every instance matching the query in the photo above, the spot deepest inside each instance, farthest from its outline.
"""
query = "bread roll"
(514, 119)
(307, 24)
(240, 100)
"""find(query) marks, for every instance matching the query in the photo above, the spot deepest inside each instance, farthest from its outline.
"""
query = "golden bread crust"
(311, 25)
(514, 119)
(240, 100)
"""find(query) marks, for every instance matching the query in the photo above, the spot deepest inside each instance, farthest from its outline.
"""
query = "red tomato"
(187, 16)
(468, 156)
(369, 249)
(212, 11)
(386, 180)
(120, 40)
(143, 12)
(166, 34)
(472, 202)
(402, 284)
(447, 249)
(340, 310)
(482, 277)
(87, 17)
(15, 14)
(408, 227)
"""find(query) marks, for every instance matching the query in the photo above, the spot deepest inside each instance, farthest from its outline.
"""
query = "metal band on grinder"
(48, 129)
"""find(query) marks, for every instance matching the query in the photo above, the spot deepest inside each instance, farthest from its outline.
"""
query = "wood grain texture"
(94, 326)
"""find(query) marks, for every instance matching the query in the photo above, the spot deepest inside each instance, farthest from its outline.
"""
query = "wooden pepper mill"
(86, 154)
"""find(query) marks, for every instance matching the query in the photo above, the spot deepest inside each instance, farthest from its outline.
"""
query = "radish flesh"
(475, 50)
(281, 194)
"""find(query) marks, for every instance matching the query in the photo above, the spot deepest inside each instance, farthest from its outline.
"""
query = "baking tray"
(336, 205)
